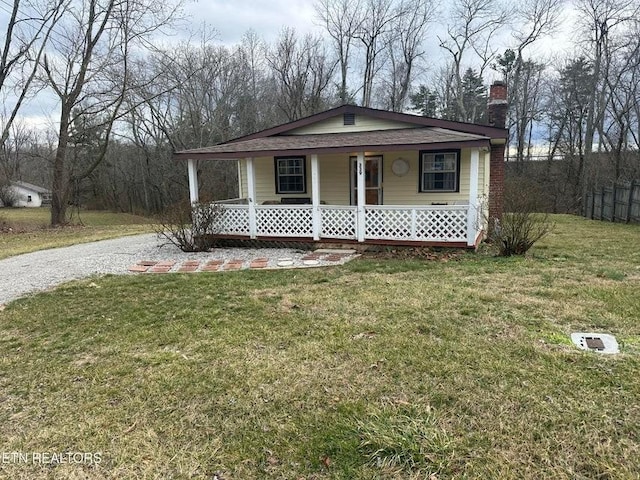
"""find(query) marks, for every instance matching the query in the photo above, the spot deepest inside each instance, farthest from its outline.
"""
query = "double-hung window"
(290, 175)
(440, 171)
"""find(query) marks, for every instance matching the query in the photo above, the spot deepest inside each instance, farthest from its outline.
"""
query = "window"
(290, 175)
(440, 171)
(29, 199)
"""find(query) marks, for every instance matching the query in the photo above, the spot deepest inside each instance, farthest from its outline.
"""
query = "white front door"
(372, 181)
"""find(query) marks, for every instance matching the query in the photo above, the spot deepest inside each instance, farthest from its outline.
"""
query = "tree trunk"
(60, 188)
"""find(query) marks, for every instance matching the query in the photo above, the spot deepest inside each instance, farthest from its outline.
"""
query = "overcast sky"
(231, 19)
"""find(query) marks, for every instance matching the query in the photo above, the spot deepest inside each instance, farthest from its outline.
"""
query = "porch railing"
(434, 223)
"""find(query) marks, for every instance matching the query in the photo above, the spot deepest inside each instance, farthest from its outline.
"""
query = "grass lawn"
(30, 229)
(379, 369)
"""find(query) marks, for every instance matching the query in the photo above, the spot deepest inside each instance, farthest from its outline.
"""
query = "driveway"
(37, 271)
(32, 272)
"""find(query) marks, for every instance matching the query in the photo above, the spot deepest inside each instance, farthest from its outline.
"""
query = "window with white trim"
(440, 171)
(290, 175)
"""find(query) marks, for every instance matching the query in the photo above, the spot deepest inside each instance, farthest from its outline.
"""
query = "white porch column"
(251, 197)
(193, 181)
(472, 213)
(315, 197)
(360, 173)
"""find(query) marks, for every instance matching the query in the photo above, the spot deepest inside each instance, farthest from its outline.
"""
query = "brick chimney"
(497, 115)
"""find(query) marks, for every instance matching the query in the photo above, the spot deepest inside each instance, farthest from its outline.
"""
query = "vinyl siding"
(335, 182)
(362, 124)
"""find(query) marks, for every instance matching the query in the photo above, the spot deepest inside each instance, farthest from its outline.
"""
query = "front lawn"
(24, 230)
(379, 369)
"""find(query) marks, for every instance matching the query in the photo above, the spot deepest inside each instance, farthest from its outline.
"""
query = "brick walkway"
(313, 259)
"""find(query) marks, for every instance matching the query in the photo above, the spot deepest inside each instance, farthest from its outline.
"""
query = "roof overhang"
(425, 138)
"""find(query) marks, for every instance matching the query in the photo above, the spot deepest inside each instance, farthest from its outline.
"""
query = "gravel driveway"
(32, 272)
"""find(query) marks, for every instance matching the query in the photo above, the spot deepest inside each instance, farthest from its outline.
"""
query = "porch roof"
(418, 138)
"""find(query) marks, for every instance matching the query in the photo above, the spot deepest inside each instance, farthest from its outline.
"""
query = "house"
(29, 195)
(355, 174)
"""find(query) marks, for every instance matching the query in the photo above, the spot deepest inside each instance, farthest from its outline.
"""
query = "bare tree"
(302, 73)
(28, 31)
(342, 19)
(606, 21)
(379, 16)
(472, 28)
(405, 41)
(88, 70)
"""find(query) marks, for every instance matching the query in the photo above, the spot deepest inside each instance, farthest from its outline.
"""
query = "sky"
(231, 19)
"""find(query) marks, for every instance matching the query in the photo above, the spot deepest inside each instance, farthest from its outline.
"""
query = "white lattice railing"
(437, 223)
(234, 220)
(338, 222)
(284, 220)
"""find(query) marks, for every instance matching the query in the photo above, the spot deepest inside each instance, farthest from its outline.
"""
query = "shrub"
(521, 225)
(190, 227)
(8, 195)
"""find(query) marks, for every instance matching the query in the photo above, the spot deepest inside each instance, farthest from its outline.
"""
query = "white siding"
(335, 183)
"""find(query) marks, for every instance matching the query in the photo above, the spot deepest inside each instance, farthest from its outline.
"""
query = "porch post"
(315, 197)
(360, 172)
(251, 197)
(193, 181)
(472, 212)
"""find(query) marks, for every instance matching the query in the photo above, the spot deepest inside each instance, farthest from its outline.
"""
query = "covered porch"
(360, 214)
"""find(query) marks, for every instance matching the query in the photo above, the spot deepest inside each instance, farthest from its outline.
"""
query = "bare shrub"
(190, 227)
(522, 224)
(9, 197)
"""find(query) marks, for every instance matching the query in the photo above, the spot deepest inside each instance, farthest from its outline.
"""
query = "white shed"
(30, 195)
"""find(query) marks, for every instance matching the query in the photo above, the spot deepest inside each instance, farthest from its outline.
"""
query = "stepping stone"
(188, 268)
(333, 258)
(192, 263)
(166, 263)
(236, 260)
(285, 263)
(215, 262)
(261, 259)
(232, 266)
(257, 264)
(147, 263)
(210, 268)
(311, 262)
(311, 257)
(139, 268)
(160, 269)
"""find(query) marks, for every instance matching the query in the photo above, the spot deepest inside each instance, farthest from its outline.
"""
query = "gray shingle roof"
(378, 140)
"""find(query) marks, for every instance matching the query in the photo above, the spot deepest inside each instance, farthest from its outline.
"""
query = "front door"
(372, 181)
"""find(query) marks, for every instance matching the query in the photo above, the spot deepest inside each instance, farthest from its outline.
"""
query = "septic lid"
(595, 342)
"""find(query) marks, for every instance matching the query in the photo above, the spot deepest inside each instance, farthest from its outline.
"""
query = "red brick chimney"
(497, 115)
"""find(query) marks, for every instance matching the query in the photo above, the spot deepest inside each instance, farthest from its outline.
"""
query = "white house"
(361, 175)
(29, 195)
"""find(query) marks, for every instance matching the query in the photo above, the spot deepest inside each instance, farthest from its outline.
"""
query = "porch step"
(335, 251)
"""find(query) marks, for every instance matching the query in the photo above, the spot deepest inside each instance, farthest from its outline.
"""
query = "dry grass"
(387, 369)
(24, 230)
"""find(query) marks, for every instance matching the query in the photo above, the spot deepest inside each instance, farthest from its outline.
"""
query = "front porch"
(434, 225)
(261, 215)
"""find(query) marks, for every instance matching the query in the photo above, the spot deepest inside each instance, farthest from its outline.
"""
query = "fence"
(617, 203)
